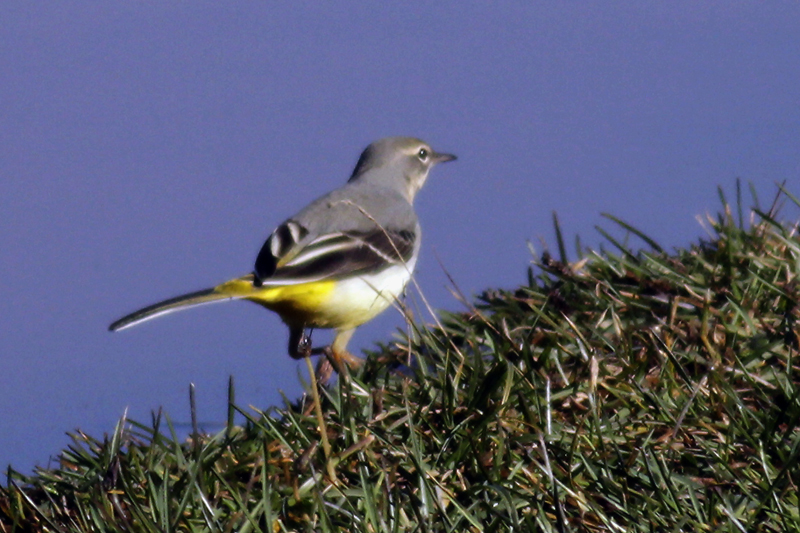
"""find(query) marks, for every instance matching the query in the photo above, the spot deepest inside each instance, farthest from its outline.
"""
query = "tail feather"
(234, 289)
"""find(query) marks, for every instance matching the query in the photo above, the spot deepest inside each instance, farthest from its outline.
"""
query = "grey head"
(401, 163)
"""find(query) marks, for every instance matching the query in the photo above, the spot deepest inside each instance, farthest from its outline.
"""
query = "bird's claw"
(304, 345)
(300, 344)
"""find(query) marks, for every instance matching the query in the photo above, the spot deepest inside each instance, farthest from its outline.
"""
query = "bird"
(338, 262)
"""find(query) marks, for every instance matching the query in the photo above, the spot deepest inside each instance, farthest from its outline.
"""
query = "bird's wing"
(292, 256)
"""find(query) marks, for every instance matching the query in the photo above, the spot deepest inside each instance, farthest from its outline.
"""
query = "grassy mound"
(629, 391)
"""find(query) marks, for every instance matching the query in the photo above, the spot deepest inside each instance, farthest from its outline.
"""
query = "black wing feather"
(336, 256)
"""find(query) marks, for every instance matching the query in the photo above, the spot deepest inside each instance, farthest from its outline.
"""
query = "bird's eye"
(423, 154)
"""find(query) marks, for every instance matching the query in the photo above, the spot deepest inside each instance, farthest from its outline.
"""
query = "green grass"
(627, 391)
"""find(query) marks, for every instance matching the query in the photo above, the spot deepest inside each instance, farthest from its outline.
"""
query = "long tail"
(234, 289)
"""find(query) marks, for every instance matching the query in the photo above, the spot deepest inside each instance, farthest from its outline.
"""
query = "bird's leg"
(336, 357)
(338, 354)
(299, 343)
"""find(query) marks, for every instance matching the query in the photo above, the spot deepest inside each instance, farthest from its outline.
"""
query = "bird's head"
(401, 162)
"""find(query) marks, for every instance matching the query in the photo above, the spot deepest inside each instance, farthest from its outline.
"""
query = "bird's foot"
(300, 345)
(343, 357)
(340, 361)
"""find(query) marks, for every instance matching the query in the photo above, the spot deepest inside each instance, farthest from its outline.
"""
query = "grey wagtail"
(341, 260)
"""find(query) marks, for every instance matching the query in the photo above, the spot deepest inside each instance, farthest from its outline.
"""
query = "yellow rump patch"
(300, 303)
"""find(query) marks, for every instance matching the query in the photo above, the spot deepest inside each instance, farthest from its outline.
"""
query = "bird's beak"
(442, 158)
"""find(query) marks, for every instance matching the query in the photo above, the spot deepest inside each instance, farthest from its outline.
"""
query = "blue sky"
(148, 148)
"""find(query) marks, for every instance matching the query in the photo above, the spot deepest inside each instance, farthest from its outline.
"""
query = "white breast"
(366, 296)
